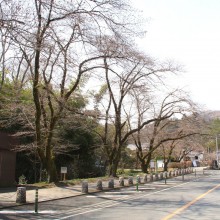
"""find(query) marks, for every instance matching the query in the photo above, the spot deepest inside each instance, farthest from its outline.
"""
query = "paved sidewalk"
(8, 195)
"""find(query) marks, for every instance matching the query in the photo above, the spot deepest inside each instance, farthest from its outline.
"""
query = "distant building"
(196, 155)
(7, 160)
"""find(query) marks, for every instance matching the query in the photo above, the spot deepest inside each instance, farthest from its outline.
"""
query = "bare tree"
(60, 44)
(164, 128)
(135, 71)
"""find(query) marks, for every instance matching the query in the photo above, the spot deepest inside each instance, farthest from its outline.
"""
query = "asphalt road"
(192, 198)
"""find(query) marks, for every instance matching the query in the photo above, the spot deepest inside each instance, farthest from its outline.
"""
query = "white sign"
(152, 164)
(160, 164)
(63, 169)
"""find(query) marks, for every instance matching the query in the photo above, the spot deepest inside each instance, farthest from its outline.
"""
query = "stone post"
(99, 185)
(21, 195)
(85, 188)
(145, 178)
(170, 174)
(151, 177)
(138, 179)
(165, 175)
(161, 175)
(176, 173)
(156, 176)
(130, 180)
(111, 184)
(121, 181)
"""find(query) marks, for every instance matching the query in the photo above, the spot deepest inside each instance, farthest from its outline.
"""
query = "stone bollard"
(151, 177)
(145, 178)
(177, 172)
(138, 179)
(85, 188)
(21, 195)
(174, 173)
(121, 181)
(156, 176)
(99, 185)
(111, 184)
(130, 180)
(170, 174)
(165, 175)
(161, 176)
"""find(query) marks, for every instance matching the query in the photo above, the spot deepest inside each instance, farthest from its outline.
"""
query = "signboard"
(63, 169)
(160, 164)
(152, 164)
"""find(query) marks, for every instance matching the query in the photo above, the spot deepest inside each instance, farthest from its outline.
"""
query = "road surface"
(189, 198)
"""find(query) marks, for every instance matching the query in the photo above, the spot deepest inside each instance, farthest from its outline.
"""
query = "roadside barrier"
(138, 179)
(176, 173)
(121, 181)
(137, 182)
(36, 201)
(145, 178)
(21, 195)
(85, 187)
(21, 191)
(165, 175)
(170, 174)
(130, 180)
(111, 184)
(99, 185)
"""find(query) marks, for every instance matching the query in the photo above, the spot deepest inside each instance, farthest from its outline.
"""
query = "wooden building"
(7, 160)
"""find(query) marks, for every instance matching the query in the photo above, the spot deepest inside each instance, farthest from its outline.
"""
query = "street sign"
(160, 164)
(63, 169)
(152, 164)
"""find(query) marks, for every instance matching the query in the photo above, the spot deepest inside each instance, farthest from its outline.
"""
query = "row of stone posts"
(130, 182)
(21, 191)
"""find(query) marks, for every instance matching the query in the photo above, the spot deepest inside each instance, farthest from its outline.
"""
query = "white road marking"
(113, 203)
(26, 211)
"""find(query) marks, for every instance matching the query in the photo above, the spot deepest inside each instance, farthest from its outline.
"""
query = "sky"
(187, 32)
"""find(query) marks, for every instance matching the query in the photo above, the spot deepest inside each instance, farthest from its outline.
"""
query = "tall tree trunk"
(113, 163)
(149, 157)
(165, 168)
(52, 172)
(144, 166)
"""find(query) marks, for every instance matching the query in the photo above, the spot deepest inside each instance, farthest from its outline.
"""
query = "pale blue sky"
(187, 31)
